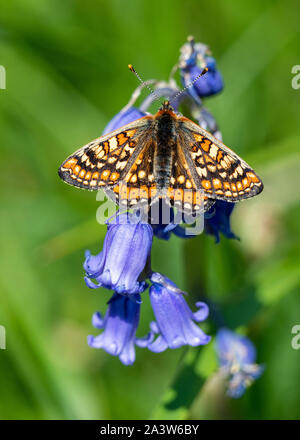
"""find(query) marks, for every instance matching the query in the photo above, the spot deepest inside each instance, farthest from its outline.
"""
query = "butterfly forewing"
(223, 174)
(106, 160)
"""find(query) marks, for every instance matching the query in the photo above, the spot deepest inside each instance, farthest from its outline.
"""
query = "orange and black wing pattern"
(138, 186)
(106, 160)
(183, 191)
(223, 174)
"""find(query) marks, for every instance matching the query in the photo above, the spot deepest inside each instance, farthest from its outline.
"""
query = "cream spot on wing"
(121, 165)
(228, 160)
(213, 151)
(188, 184)
(130, 133)
(195, 155)
(202, 171)
(240, 170)
(212, 168)
(113, 143)
(123, 154)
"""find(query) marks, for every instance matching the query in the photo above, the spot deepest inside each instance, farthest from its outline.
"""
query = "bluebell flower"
(164, 223)
(125, 116)
(126, 248)
(119, 328)
(194, 58)
(164, 231)
(237, 356)
(206, 120)
(217, 220)
(175, 322)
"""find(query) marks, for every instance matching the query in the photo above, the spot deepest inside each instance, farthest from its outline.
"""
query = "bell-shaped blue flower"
(207, 85)
(217, 220)
(164, 231)
(237, 356)
(119, 328)
(206, 120)
(175, 322)
(127, 246)
(164, 222)
(194, 58)
(125, 116)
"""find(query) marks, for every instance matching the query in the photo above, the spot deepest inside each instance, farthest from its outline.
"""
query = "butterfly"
(162, 156)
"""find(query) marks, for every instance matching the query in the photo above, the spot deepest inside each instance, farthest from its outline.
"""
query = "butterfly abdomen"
(166, 141)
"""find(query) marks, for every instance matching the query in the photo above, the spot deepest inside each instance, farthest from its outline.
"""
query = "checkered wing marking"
(106, 160)
(223, 174)
(138, 186)
(183, 192)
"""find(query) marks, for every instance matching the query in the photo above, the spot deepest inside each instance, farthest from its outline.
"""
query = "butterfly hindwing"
(223, 174)
(138, 186)
(183, 191)
(104, 161)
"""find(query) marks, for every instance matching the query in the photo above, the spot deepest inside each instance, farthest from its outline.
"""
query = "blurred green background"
(66, 65)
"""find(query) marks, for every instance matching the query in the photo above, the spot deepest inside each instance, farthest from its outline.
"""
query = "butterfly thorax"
(165, 146)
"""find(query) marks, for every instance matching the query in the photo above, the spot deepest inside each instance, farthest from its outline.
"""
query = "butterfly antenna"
(204, 71)
(143, 83)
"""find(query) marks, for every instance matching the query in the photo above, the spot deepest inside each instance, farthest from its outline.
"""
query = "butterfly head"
(166, 109)
(166, 106)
